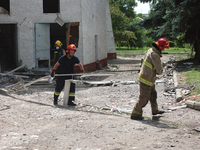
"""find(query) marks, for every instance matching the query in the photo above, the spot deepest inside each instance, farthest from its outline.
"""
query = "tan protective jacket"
(151, 65)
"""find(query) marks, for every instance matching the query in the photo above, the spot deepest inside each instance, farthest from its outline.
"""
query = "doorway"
(46, 36)
(8, 47)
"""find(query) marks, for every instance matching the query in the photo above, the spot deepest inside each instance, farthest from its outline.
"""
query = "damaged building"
(29, 29)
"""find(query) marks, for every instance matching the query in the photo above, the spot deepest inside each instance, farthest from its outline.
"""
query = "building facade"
(29, 29)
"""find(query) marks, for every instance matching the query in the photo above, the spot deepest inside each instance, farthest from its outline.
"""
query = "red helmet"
(71, 47)
(162, 43)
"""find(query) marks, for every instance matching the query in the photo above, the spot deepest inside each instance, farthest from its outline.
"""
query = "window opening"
(51, 6)
(5, 6)
(43, 63)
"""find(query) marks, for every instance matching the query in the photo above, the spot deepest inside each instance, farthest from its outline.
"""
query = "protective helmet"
(71, 47)
(162, 43)
(58, 43)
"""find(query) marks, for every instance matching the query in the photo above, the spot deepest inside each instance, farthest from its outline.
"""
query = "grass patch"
(177, 50)
(193, 77)
(144, 49)
(134, 50)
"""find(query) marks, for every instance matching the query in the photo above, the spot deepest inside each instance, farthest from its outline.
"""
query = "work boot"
(158, 112)
(55, 102)
(70, 103)
(136, 117)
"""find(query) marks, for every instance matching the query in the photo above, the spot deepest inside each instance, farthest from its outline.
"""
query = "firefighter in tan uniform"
(151, 65)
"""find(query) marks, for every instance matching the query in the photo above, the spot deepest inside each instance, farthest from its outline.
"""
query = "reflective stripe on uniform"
(56, 52)
(148, 65)
(136, 113)
(145, 81)
(72, 94)
(56, 93)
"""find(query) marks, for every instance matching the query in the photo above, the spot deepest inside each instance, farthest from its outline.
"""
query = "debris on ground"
(33, 122)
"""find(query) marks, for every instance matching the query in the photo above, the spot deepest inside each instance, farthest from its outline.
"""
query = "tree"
(120, 23)
(176, 20)
(126, 6)
(139, 32)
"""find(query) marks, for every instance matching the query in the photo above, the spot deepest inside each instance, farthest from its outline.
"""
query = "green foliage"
(120, 23)
(193, 77)
(172, 44)
(176, 20)
(126, 6)
(143, 49)
(148, 41)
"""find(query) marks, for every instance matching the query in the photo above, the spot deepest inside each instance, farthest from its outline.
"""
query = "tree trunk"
(197, 50)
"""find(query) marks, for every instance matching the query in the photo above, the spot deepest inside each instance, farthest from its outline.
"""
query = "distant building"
(29, 28)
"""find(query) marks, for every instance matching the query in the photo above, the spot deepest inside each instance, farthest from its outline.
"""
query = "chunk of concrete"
(190, 104)
(175, 78)
(197, 106)
(179, 95)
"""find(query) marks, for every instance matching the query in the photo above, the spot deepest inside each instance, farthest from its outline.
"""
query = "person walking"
(151, 65)
(65, 65)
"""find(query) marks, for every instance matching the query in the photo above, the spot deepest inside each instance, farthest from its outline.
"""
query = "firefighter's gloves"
(52, 73)
(83, 71)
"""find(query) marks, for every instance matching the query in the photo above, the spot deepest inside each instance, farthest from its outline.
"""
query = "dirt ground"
(29, 120)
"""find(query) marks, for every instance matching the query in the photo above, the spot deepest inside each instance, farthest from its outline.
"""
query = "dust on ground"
(29, 119)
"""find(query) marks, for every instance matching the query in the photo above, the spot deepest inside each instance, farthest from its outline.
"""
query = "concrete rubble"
(173, 87)
(17, 81)
(33, 122)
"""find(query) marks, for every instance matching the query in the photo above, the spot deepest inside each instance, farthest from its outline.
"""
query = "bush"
(148, 41)
(171, 44)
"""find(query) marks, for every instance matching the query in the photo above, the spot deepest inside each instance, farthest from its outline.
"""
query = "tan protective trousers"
(146, 93)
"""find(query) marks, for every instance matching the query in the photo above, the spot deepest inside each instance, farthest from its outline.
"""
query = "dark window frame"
(5, 4)
(51, 6)
(73, 33)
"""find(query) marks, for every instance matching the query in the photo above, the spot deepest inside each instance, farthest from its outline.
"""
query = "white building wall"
(100, 28)
(94, 23)
(90, 13)
(110, 36)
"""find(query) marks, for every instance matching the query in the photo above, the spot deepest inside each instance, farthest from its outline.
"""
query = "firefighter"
(59, 51)
(65, 65)
(151, 65)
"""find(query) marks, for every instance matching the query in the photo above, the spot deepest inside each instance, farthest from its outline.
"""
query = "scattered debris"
(190, 104)
(113, 107)
(119, 109)
(10, 72)
(5, 107)
(197, 129)
(168, 94)
(193, 104)
(185, 92)
(179, 107)
(178, 95)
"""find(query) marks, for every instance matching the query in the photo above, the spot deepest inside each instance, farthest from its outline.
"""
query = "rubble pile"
(11, 82)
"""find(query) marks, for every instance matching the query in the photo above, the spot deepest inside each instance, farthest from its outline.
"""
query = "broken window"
(73, 33)
(51, 6)
(4, 6)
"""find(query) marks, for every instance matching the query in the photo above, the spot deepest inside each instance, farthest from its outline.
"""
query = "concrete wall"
(111, 51)
(94, 23)
(90, 13)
